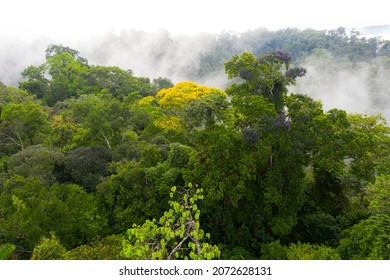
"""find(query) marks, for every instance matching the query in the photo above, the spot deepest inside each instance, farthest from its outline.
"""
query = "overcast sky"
(75, 19)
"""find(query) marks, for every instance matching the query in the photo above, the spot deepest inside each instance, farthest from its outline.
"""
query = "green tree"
(30, 210)
(369, 147)
(378, 194)
(176, 235)
(87, 166)
(6, 251)
(48, 248)
(13, 95)
(53, 50)
(139, 186)
(268, 170)
(36, 84)
(103, 120)
(67, 77)
(23, 124)
(298, 251)
(205, 112)
(119, 83)
(108, 248)
(322, 140)
(267, 76)
(369, 239)
(161, 83)
(37, 161)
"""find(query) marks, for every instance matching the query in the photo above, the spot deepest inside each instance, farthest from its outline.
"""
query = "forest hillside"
(97, 162)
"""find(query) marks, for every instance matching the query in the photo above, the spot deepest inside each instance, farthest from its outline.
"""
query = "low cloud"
(16, 55)
(355, 87)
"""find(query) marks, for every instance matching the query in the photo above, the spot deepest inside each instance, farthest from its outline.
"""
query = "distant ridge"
(376, 31)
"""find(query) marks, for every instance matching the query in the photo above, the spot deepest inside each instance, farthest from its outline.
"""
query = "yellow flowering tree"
(178, 100)
(183, 93)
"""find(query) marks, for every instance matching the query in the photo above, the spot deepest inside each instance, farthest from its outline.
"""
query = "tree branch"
(106, 139)
(178, 246)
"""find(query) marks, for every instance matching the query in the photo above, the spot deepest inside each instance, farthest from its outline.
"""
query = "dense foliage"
(96, 163)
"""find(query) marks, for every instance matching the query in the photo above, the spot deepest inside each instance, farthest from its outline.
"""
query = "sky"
(76, 19)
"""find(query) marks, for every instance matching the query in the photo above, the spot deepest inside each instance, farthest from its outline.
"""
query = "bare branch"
(178, 246)
(106, 139)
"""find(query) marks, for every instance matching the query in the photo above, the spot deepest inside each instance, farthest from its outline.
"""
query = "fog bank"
(356, 87)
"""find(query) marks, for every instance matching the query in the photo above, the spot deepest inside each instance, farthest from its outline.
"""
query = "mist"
(147, 54)
(16, 55)
(355, 87)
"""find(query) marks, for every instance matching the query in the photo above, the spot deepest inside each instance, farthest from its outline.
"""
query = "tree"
(36, 84)
(182, 93)
(378, 195)
(104, 120)
(53, 50)
(37, 161)
(267, 165)
(87, 166)
(67, 132)
(13, 95)
(367, 240)
(108, 248)
(321, 139)
(368, 148)
(162, 83)
(176, 235)
(187, 100)
(139, 186)
(48, 248)
(67, 77)
(62, 76)
(9, 95)
(267, 76)
(206, 111)
(298, 251)
(30, 210)
(119, 83)
(23, 124)
(6, 251)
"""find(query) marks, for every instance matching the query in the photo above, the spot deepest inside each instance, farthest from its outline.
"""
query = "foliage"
(369, 239)
(237, 253)
(311, 252)
(176, 235)
(48, 248)
(190, 104)
(319, 228)
(68, 210)
(108, 248)
(298, 251)
(37, 161)
(103, 120)
(378, 195)
(68, 77)
(36, 84)
(87, 166)
(267, 76)
(182, 93)
(53, 50)
(87, 150)
(119, 83)
(23, 124)
(6, 251)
